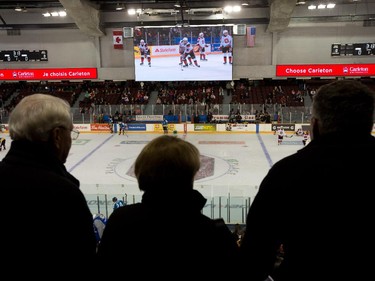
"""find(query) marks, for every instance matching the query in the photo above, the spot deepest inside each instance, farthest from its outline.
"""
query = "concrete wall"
(304, 43)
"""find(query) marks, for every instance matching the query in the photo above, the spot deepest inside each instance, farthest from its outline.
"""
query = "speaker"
(128, 32)
(239, 29)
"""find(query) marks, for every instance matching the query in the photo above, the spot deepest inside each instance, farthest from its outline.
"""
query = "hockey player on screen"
(189, 56)
(201, 44)
(181, 48)
(145, 52)
(226, 47)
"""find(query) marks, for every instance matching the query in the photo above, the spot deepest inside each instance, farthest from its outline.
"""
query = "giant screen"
(198, 53)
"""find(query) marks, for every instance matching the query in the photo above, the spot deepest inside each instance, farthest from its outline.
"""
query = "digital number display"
(355, 49)
(23, 55)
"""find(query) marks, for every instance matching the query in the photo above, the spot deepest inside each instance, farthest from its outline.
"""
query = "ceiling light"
(131, 11)
(331, 5)
(55, 14)
(18, 9)
(230, 9)
(321, 6)
(311, 7)
(119, 7)
(245, 4)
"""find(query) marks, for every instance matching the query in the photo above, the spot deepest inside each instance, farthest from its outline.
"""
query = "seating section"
(85, 95)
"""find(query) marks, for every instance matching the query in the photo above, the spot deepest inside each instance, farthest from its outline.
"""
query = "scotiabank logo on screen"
(164, 50)
(326, 70)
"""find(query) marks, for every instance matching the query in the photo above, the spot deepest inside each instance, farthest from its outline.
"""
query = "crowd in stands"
(90, 94)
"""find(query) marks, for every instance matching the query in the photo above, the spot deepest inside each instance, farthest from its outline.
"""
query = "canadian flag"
(117, 39)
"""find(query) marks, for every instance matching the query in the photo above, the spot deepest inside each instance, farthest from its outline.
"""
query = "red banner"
(117, 39)
(96, 127)
(326, 70)
(49, 74)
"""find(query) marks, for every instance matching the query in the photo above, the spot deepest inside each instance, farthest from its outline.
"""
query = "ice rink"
(233, 161)
(233, 165)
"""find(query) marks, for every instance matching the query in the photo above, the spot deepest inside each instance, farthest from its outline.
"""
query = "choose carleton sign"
(48, 74)
(326, 70)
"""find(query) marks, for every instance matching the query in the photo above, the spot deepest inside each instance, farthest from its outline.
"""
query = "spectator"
(167, 234)
(49, 230)
(324, 225)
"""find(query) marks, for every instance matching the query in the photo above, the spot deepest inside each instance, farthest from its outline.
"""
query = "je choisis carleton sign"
(49, 74)
(325, 70)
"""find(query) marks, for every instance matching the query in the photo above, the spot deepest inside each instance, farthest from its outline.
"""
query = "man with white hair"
(48, 225)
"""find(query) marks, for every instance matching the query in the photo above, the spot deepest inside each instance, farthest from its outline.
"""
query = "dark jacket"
(47, 226)
(319, 204)
(166, 236)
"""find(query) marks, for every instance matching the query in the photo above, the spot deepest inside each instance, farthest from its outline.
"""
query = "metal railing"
(228, 202)
(186, 111)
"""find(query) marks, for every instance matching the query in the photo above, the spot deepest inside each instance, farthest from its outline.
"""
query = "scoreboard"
(353, 49)
(23, 55)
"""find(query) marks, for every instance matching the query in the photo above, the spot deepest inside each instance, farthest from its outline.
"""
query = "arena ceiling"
(93, 17)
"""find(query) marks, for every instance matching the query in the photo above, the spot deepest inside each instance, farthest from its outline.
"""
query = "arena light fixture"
(119, 7)
(131, 11)
(236, 8)
(230, 9)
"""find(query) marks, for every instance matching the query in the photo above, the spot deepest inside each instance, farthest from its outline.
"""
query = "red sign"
(326, 70)
(117, 39)
(49, 74)
(100, 127)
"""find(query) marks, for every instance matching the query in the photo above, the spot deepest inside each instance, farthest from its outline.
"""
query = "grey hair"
(36, 115)
(344, 105)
